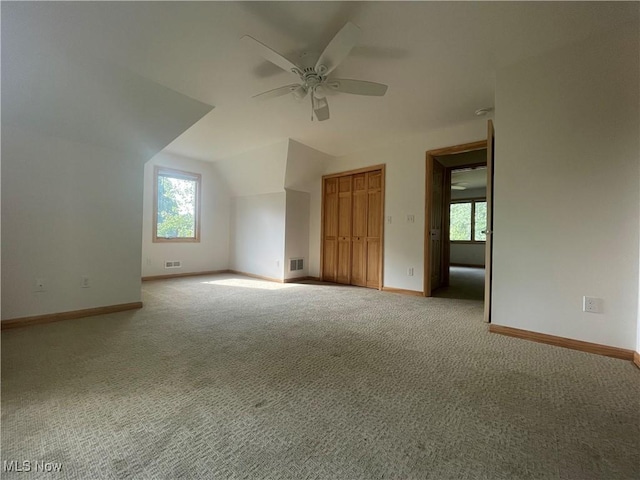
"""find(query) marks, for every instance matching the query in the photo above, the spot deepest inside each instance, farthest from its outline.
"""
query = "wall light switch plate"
(592, 304)
(389, 219)
(411, 218)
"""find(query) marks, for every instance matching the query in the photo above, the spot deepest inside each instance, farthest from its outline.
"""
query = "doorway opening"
(465, 217)
(459, 221)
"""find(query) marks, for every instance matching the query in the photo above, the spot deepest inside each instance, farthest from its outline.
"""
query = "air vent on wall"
(296, 264)
(174, 264)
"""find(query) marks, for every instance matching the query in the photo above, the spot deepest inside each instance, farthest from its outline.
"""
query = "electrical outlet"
(389, 219)
(592, 304)
(39, 285)
(410, 272)
(85, 282)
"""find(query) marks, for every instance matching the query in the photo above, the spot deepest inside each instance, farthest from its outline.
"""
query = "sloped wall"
(256, 171)
(76, 133)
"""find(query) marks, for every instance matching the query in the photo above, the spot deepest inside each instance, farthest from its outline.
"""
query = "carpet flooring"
(228, 377)
(465, 283)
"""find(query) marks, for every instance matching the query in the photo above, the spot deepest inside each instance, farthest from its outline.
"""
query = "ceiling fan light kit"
(314, 77)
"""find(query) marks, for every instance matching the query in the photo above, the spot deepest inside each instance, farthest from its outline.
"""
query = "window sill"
(176, 240)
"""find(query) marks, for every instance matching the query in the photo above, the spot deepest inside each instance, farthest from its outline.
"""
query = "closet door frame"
(382, 168)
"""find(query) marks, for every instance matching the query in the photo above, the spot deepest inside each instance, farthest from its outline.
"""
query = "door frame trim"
(383, 168)
(428, 203)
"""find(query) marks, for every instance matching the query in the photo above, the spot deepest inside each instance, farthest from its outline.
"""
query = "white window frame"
(170, 172)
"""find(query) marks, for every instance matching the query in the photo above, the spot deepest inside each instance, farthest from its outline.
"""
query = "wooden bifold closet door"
(352, 229)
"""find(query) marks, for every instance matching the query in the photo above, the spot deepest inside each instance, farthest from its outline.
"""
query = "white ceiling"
(470, 178)
(439, 59)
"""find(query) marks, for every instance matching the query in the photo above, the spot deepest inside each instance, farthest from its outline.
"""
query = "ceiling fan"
(459, 186)
(314, 73)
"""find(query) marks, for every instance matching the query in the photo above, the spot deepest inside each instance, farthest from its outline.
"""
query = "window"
(468, 220)
(176, 206)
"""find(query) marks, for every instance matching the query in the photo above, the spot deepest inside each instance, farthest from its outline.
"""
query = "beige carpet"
(228, 377)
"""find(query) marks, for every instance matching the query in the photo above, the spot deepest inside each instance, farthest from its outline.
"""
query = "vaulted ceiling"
(439, 60)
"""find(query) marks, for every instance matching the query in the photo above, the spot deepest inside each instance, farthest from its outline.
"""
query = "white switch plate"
(410, 272)
(411, 218)
(85, 282)
(389, 219)
(592, 304)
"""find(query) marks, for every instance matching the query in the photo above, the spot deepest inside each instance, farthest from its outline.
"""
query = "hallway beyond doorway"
(464, 283)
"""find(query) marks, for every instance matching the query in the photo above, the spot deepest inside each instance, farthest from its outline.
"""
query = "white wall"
(467, 254)
(257, 234)
(567, 191)
(297, 231)
(638, 315)
(405, 177)
(212, 252)
(305, 167)
(68, 210)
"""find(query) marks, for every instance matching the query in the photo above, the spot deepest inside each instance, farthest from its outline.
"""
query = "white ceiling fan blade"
(300, 92)
(269, 54)
(338, 48)
(458, 187)
(320, 108)
(277, 92)
(357, 87)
